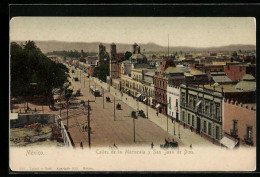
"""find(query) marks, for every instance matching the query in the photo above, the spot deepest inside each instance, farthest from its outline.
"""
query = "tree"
(29, 65)
(102, 71)
(128, 55)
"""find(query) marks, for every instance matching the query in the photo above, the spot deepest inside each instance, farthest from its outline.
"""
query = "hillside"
(49, 46)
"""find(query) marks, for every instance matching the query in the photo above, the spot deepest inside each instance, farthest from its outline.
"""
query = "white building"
(173, 100)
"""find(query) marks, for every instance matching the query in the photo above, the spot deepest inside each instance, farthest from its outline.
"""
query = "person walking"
(152, 145)
(115, 146)
(157, 113)
(83, 128)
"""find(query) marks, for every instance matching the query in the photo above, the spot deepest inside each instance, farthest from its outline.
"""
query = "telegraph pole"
(174, 126)
(60, 103)
(179, 131)
(167, 122)
(103, 96)
(134, 128)
(89, 143)
(67, 114)
(114, 108)
(89, 83)
(89, 128)
(146, 105)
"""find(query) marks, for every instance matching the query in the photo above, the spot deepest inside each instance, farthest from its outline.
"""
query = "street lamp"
(134, 116)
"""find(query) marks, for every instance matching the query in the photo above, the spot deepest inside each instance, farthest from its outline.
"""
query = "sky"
(182, 31)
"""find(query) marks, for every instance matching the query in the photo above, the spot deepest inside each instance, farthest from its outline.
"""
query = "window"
(249, 133)
(204, 126)
(183, 116)
(209, 128)
(177, 103)
(234, 124)
(217, 132)
(170, 103)
(192, 121)
(211, 108)
(194, 103)
(217, 111)
(189, 119)
(190, 101)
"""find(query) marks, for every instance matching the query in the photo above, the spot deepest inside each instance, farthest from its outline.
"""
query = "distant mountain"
(49, 46)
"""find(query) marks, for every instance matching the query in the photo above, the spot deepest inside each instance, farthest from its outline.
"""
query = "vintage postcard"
(132, 94)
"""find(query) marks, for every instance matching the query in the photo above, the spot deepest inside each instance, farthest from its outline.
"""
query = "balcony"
(233, 133)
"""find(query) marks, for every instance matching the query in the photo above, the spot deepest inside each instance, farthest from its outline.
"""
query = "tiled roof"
(246, 86)
(172, 70)
(196, 72)
(248, 77)
(221, 79)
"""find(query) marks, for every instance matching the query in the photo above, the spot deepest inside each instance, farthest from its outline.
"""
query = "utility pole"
(89, 128)
(114, 108)
(134, 116)
(80, 76)
(167, 121)
(95, 88)
(60, 103)
(174, 127)
(89, 143)
(84, 81)
(179, 131)
(89, 83)
(103, 96)
(67, 114)
(134, 128)
(146, 105)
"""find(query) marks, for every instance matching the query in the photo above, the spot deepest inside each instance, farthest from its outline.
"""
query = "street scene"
(148, 93)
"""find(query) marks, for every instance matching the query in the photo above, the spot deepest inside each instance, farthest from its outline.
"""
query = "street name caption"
(146, 152)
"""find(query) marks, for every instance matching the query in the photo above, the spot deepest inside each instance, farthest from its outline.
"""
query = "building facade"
(173, 97)
(240, 122)
(201, 110)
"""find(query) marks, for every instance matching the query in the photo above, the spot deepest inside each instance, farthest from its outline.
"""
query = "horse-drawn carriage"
(118, 106)
(169, 144)
(141, 113)
(108, 99)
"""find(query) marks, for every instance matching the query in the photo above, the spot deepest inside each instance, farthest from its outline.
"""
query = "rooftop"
(172, 70)
(248, 77)
(246, 86)
(196, 72)
(221, 79)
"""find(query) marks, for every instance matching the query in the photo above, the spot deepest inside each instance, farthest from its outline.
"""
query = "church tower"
(113, 65)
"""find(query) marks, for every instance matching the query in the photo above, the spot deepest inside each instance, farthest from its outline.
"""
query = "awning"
(138, 95)
(145, 99)
(198, 103)
(229, 143)
(158, 105)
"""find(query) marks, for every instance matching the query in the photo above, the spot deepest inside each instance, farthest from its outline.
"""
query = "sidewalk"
(186, 136)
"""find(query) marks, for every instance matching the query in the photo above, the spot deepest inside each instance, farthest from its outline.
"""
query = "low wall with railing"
(27, 119)
(65, 135)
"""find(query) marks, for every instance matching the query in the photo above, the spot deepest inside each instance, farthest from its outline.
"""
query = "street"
(105, 131)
